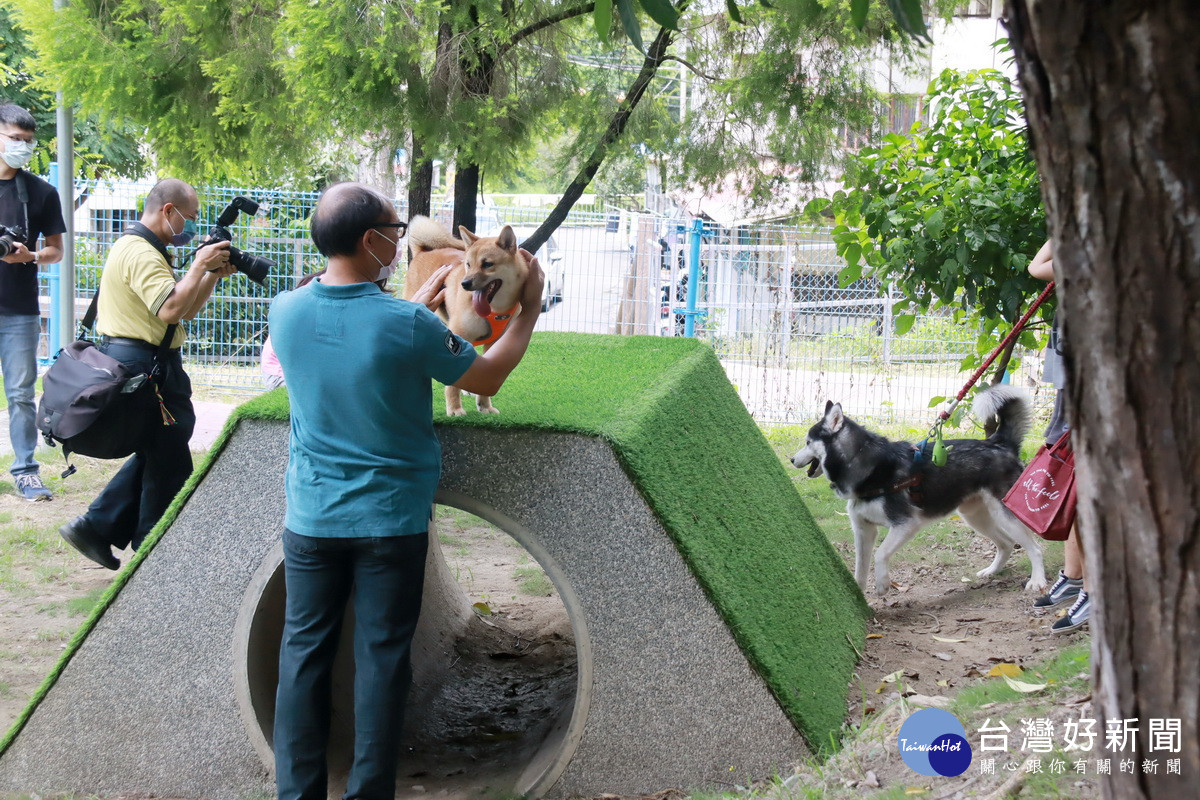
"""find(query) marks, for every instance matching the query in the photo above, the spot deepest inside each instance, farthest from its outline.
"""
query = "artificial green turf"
(684, 438)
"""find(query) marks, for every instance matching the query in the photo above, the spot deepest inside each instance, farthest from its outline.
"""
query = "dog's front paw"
(488, 410)
(1036, 584)
(456, 412)
(987, 571)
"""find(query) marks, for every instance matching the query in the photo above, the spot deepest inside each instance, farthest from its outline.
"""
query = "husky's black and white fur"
(874, 475)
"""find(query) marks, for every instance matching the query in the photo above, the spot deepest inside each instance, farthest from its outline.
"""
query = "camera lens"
(253, 267)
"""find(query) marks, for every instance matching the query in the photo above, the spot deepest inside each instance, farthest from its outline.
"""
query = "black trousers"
(384, 576)
(140, 492)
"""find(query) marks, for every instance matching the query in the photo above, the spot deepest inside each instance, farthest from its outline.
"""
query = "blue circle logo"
(933, 742)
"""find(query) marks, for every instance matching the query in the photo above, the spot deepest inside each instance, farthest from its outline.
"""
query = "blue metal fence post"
(689, 325)
(52, 277)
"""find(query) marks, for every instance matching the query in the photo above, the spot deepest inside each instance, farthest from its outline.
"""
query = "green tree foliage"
(100, 148)
(951, 214)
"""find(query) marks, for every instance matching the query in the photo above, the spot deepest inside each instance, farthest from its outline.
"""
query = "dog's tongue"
(479, 302)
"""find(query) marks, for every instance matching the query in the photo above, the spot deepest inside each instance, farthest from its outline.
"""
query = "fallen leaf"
(944, 682)
(893, 677)
(949, 640)
(874, 635)
(965, 579)
(916, 790)
(482, 609)
(1006, 670)
(871, 780)
(972, 673)
(944, 656)
(1023, 687)
(929, 701)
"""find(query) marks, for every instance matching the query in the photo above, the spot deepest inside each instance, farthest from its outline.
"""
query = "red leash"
(935, 433)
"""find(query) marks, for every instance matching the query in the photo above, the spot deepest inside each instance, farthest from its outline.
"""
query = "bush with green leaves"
(950, 214)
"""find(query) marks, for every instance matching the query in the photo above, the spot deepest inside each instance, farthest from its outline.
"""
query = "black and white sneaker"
(1063, 591)
(1076, 617)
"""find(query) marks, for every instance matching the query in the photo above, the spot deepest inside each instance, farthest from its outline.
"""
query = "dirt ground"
(945, 628)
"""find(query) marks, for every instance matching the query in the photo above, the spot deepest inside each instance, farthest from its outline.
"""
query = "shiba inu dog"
(897, 485)
(481, 291)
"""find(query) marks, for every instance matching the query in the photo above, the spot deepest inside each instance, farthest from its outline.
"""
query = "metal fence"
(766, 298)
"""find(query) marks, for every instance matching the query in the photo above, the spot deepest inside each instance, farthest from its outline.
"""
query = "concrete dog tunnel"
(712, 628)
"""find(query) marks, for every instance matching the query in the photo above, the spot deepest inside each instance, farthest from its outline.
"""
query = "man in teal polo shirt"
(362, 469)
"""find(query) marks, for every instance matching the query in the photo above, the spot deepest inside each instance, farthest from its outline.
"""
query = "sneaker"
(1076, 617)
(31, 487)
(1064, 590)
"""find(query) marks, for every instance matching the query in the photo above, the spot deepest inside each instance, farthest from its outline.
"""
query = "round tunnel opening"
(501, 667)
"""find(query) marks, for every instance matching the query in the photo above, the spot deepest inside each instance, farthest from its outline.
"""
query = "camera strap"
(23, 196)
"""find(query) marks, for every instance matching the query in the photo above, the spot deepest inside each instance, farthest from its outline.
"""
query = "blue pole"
(689, 325)
(52, 276)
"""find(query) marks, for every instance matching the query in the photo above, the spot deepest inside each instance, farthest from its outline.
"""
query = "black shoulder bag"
(93, 404)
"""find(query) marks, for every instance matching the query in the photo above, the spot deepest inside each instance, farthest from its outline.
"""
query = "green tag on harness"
(939, 449)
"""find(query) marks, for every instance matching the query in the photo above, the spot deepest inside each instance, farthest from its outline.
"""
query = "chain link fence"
(767, 298)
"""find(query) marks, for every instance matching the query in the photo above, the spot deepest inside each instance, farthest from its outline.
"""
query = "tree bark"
(1113, 99)
(420, 180)
(466, 192)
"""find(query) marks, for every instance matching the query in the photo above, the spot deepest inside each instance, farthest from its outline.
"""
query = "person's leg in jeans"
(318, 574)
(389, 576)
(18, 356)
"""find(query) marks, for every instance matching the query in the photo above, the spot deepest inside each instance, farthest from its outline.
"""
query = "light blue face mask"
(18, 154)
(186, 235)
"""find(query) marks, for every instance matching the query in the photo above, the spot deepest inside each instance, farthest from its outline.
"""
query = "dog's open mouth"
(481, 300)
(813, 465)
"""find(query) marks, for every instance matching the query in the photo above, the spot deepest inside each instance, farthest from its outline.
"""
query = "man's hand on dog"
(433, 293)
(531, 297)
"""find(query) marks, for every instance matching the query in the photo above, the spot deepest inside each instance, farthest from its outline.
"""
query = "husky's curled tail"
(1008, 408)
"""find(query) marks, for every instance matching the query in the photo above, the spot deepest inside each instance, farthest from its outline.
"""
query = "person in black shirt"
(31, 205)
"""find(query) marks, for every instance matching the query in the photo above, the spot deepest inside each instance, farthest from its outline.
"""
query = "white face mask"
(17, 154)
(386, 270)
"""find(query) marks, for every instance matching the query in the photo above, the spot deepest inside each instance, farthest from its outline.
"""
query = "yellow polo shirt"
(135, 283)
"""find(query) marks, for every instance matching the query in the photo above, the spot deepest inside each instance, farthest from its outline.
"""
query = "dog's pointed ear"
(828, 405)
(467, 236)
(507, 239)
(834, 418)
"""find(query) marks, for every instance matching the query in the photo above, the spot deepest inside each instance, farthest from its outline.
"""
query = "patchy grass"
(532, 581)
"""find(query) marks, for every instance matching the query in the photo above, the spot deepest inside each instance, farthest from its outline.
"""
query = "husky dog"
(896, 485)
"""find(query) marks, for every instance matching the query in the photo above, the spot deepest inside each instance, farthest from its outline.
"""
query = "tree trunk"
(1113, 98)
(420, 181)
(466, 190)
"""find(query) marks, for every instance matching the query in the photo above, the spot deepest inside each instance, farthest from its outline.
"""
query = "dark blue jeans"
(140, 492)
(385, 575)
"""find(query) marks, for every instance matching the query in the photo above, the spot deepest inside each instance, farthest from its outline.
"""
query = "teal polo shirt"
(363, 458)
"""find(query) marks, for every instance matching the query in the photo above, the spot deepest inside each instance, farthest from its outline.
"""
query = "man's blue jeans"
(18, 358)
(385, 575)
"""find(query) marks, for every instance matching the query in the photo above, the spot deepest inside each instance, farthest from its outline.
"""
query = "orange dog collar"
(498, 320)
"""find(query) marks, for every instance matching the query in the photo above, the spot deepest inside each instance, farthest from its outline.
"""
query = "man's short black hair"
(168, 190)
(344, 213)
(17, 117)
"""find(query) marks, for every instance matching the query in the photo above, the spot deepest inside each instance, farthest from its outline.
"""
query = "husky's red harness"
(498, 320)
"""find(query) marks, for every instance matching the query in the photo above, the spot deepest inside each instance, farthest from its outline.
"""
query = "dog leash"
(935, 433)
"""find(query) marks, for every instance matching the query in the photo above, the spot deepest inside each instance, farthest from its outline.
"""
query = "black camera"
(8, 238)
(253, 267)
